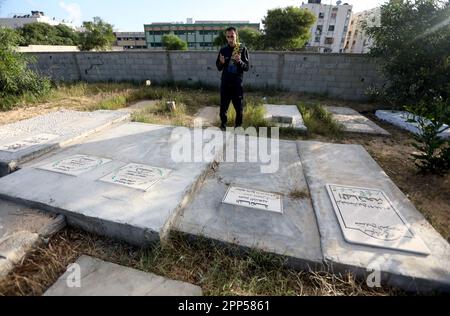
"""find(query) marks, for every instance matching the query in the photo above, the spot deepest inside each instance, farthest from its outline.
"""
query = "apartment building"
(329, 33)
(358, 42)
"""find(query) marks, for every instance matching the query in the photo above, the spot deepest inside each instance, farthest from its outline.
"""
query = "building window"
(317, 40)
(331, 28)
(321, 15)
(319, 29)
(329, 40)
(333, 15)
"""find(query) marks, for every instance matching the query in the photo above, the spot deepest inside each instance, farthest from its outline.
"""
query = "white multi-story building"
(329, 32)
(17, 21)
(358, 42)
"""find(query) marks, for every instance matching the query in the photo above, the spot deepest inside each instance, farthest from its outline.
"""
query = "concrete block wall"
(344, 76)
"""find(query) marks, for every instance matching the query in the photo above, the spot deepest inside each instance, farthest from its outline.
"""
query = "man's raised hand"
(222, 59)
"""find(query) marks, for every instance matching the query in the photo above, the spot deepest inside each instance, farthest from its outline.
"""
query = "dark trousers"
(231, 92)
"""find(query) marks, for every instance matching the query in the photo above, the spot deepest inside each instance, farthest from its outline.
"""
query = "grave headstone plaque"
(368, 217)
(254, 199)
(137, 176)
(75, 165)
(27, 143)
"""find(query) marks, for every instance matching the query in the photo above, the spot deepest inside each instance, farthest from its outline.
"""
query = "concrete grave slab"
(351, 165)
(114, 186)
(354, 122)
(285, 116)
(20, 229)
(292, 233)
(209, 115)
(100, 278)
(400, 119)
(28, 139)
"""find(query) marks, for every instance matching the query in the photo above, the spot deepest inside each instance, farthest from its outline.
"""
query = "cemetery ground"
(222, 270)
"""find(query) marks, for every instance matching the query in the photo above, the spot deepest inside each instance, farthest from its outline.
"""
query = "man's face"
(231, 38)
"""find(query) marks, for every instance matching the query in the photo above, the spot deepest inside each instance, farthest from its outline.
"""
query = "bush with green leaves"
(173, 42)
(16, 79)
(45, 34)
(97, 35)
(434, 151)
(412, 44)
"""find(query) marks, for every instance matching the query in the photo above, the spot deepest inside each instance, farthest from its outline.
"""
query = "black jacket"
(231, 71)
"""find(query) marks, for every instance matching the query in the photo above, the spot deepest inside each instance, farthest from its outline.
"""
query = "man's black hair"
(231, 28)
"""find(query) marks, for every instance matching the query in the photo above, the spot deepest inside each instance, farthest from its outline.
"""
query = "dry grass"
(299, 194)
(218, 270)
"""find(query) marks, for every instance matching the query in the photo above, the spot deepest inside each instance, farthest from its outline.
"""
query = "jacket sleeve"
(245, 62)
(219, 65)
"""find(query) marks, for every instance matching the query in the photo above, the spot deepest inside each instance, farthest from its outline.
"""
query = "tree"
(97, 35)
(413, 45)
(287, 28)
(37, 34)
(220, 40)
(45, 34)
(16, 78)
(251, 38)
(173, 42)
(70, 37)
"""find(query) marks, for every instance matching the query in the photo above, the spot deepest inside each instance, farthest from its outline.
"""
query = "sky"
(131, 15)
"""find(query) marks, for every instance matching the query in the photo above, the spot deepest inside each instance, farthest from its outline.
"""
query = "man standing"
(232, 61)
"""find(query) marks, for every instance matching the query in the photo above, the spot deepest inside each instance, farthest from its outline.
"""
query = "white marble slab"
(137, 176)
(368, 217)
(253, 199)
(75, 165)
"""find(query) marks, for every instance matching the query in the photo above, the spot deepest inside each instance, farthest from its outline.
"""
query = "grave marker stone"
(137, 176)
(75, 165)
(368, 217)
(254, 199)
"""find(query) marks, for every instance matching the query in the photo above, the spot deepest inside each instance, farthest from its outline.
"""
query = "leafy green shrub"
(16, 79)
(173, 42)
(434, 151)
